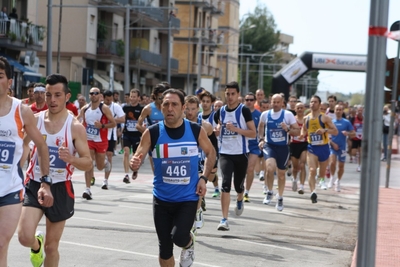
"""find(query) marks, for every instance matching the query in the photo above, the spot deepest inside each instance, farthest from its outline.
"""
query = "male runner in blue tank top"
(174, 145)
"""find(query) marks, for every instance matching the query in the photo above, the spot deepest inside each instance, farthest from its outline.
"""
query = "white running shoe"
(268, 198)
(279, 204)
(265, 190)
(337, 187)
(359, 168)
(223, 225)
(187, 254)
(87, 194)
(331, 181)
(239, 208)
(294, 185)
(199, 219)
(323, 185)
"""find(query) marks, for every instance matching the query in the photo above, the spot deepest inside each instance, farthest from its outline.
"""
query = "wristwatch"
(204, 178)
(103, 126)
(46, 179)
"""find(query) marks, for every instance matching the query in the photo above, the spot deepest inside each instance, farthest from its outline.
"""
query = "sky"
(339, 26)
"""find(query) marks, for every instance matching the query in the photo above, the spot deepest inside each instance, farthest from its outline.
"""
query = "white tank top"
(11, 141)
(93, 133)
(60, 171)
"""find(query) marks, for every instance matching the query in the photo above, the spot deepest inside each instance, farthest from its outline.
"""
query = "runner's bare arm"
(143, 115)
(111, 121)
(84, 161)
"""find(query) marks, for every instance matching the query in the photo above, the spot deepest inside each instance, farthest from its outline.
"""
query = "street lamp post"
(261, 68)
(241, 54)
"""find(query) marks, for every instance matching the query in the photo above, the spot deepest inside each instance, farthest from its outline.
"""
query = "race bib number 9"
(316, 139)
(7, 151)
(176, 171)
(92, 132)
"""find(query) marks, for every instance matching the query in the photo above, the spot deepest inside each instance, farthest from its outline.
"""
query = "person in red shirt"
(39, 93)
(71, 107)
(31, 97)
(356, 141)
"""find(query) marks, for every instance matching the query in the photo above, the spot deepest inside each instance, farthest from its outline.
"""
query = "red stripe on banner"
(377, 31)
(165, 150)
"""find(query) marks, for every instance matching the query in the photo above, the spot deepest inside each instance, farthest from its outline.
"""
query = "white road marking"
(261, 244)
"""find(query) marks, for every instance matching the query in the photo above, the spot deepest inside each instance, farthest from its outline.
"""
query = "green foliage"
(120, 47)
(12, 36)
(263, 37)
(101, 30)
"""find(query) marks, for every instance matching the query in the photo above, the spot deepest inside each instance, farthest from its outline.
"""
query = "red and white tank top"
(11, 140)
(60, 171)
(358, 127)
(95, 134)
(296, 139)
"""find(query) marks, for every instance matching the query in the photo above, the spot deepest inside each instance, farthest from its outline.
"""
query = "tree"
(263, 38)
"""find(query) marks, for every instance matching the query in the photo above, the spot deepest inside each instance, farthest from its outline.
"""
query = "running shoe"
(199, 220)
(261, 176)
(37, 259)
(279, 204)
(203, 204)
(107, 165)
(216, 193)
(92, 181)
(331, 181)
(268, 198)
(223, 225)
(239, 207)
(313, 197)
(121, 152)
(294, 185)
(126, 179)
(105, 185)
(87, 194)
(246, 197)
(265, 190)
(134, 175)
(187, 254)
(323, 185)
(337, 187)
(301, 189)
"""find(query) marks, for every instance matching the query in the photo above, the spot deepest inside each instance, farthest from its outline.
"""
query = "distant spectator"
(3, 14)
(3, 21)
(13, 14)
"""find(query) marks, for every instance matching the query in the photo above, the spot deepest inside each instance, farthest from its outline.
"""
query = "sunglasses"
(94, 93)
(250, 100)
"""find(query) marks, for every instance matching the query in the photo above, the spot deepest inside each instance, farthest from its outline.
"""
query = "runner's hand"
(45, 197)
(135, 162)
(201, 189)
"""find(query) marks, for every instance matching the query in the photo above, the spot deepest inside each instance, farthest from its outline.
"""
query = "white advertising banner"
(293, 70)
(339, 62)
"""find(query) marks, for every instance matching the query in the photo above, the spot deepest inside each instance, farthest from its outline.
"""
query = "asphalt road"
(116, 227)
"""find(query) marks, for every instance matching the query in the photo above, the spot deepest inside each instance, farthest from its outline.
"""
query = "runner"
(152, 112)
(119, 117)
(338, 146)
(237, 126)
(192, 110)
(276, 123)
(97, 118)
(64, 136)
(131, 134)
(16, 119)
(317, 126)
(177, 186)
(298, 152)
(38, 92)
(260, 96)
(254, 150)
(357, 140)
(31, 96)
(207, 114)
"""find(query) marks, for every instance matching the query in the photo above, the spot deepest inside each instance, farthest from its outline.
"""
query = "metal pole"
(169, 50)
(127, 82)
(199, 62)
(241, 57)
(372, 135)
(247, 75)
(59, 38)
(49, 53)
(262, 76)
(227, 66)
(392, 114)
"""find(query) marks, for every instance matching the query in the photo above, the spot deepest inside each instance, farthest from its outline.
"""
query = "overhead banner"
(294, 70)
(339, 62)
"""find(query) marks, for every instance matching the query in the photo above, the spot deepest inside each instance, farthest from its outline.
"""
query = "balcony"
(147, 57)
(216, 7)
(20, 34)
(208, 36)
(204, 69)
(113, 47)
(199, 3)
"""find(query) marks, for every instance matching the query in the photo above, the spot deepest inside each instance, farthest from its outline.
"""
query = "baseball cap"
(199, 91)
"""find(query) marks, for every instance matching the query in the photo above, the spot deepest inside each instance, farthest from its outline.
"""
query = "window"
(92, 27)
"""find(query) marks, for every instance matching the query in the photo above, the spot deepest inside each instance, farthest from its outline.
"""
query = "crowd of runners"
(188, 139)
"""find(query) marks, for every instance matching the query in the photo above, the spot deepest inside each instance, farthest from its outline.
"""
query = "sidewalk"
(388, 234)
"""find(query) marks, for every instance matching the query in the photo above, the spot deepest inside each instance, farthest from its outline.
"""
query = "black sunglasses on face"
(249, 99)
(94, 93)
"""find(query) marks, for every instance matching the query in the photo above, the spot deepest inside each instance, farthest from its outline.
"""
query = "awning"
(105, 82)
(28, 74)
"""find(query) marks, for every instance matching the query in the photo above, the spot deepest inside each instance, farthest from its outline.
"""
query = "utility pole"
(127, 82)
(59, 38)
(49, 53)
(169, 49)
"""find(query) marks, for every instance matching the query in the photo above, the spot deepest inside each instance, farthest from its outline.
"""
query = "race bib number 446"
(176, 171)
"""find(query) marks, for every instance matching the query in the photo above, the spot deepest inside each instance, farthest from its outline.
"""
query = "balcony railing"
(22, 31)
(147, 56)
(113, 47)
(175, 22)
(174, 63)
(194, 2)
